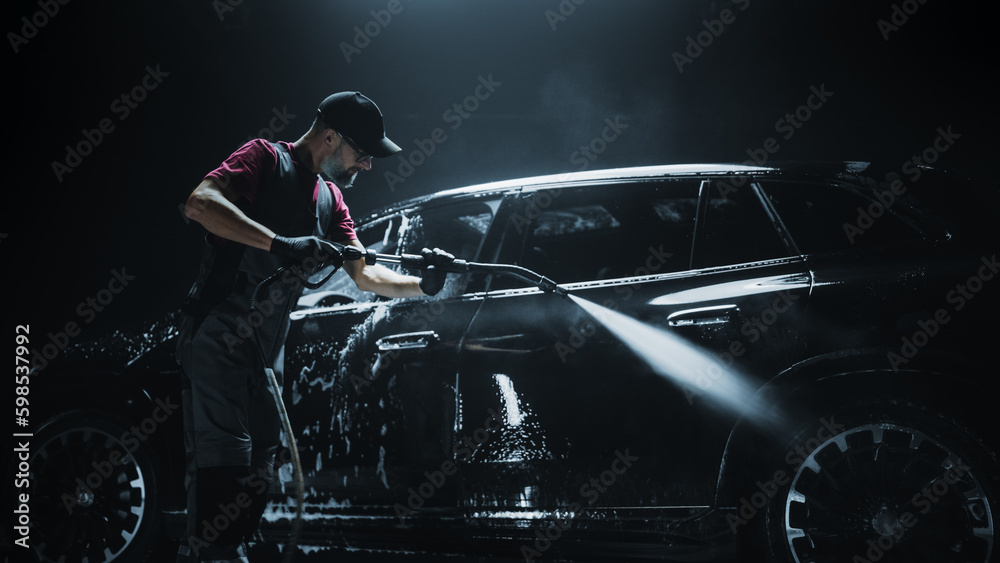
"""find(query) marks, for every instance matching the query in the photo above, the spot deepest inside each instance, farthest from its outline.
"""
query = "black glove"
(433, 278)
(309, 252)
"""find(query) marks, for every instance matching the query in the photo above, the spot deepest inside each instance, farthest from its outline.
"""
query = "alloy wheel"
(887, 492)
(93, 495)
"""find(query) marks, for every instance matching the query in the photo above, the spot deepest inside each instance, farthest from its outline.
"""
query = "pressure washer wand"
(418, 262)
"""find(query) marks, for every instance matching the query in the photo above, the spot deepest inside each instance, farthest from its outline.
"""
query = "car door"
(621, 397)
(371, 384)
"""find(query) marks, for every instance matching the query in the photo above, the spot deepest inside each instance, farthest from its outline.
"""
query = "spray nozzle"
(549, 286)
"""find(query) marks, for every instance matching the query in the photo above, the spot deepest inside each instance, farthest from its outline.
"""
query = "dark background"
(228, 68)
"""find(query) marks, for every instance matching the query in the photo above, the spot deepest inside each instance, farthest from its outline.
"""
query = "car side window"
(735, 228)
(606, 232)
(381, 235)
(828, 218)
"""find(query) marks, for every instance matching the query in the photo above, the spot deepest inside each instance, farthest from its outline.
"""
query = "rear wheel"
(93, 491)
(885, 482)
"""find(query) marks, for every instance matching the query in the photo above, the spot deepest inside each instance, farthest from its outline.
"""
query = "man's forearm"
(378, 279)
(209, 206)
(387, 283)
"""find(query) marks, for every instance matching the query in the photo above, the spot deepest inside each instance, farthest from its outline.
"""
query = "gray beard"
(344, 179)
(334, 170)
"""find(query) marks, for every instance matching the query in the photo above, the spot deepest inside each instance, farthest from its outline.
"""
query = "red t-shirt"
(247, 169)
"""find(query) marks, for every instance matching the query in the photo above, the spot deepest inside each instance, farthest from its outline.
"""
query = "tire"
(92, 498)
(880, 481)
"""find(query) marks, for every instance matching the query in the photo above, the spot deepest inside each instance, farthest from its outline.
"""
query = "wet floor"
(307, 554)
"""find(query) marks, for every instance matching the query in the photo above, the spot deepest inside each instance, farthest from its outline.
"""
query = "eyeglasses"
(362, 155)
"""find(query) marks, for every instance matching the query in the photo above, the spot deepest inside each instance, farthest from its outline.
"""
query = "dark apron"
(229, 274)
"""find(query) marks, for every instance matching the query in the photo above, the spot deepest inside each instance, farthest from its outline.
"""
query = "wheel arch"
(64, 390)
(71, 391)
(939, 379)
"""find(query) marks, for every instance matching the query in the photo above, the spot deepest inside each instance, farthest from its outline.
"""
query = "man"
(264, 208)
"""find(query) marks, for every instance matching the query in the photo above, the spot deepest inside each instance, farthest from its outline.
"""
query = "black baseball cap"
(357, 117)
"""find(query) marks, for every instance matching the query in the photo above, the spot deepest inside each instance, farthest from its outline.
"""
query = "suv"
(789, 362)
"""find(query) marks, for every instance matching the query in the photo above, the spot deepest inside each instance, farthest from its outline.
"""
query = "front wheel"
(93, 491)
(882, 482)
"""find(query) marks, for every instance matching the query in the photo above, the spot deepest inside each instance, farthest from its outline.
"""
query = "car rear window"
(829, 218)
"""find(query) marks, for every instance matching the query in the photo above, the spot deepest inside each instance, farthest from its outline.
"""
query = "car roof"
(801, 169)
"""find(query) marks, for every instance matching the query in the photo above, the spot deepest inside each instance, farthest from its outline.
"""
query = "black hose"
(417, 262)
(286, 423)
(346, 252)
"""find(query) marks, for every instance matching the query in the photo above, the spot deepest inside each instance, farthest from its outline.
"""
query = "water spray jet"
(683, 363)
(667, 354)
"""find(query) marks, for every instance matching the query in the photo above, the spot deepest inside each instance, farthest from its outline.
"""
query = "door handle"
(700, 316)
(407, 341)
